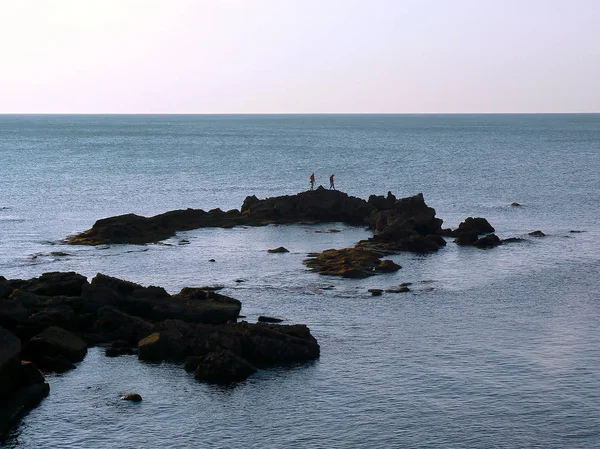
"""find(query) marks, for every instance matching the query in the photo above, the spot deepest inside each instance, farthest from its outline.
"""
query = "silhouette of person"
(331, 186)
(312, 181)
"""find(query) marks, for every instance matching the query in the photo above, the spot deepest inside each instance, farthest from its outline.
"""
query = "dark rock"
(223, 367)
(477, 225)
(152, 348)
(268, 319)
(54, 343)
(281, 249)
(10, 362)
(12, 313)
(409, 216)
(124, 288)
(171, 342)
(30, 374)
(514, 205)
(17, 405)
(387, 266)
(399, 289)
(57, 363)
(375, 291)
(317, 206)
(512, 240)
(114, 324)
(466, 238)
(211, 260)
(133, 397)
(56, 284)
(6, 288)
(381, 202)
(118, 348)
(537, 234)
(438, 239)
(350, 263)
(447, 232)
(488, 241)
(192, 362)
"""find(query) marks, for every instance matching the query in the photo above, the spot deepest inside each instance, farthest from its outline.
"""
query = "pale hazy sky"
(221, 56)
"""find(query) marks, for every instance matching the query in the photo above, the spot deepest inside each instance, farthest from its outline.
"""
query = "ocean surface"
(491, 348)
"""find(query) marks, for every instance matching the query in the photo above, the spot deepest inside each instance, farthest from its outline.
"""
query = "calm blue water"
(497, 348)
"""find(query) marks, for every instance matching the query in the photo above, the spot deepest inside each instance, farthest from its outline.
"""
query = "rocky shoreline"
(47, 323)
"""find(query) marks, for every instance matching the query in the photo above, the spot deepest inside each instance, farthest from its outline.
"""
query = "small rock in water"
(333, 230)
(268, 319)
(512, 240)
(572, 231)
(281, 249)
(514, 204)
(400, 289)
(133, 397)
(375, 291)
(239, 281)
(59, 254)
(211, 260)
(184, 242)
(537, 233)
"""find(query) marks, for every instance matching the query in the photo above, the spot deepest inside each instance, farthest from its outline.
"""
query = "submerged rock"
(223, 367)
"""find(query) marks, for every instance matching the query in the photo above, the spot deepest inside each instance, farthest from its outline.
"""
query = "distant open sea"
(491, 348)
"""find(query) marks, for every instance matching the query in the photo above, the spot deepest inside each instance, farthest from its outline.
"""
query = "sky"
(299, 56)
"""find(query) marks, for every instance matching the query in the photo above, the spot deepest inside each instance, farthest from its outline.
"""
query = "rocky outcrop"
(350, 263)
(406, 217)
(196, 321)
(468, 233)
(318, 205)
(314, 206)
(407, 224)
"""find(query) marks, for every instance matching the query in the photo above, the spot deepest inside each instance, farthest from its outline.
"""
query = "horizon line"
(299, 113)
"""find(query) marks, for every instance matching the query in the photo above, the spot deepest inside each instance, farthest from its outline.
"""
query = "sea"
(496, 348)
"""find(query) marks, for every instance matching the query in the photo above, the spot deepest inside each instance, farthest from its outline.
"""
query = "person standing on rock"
(331, 186)
(312, 181)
